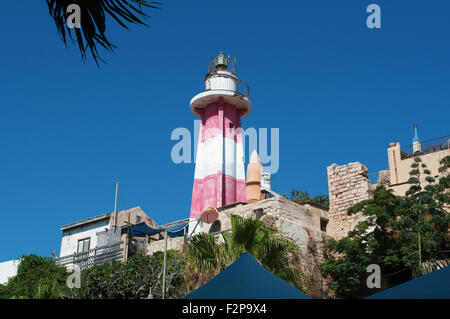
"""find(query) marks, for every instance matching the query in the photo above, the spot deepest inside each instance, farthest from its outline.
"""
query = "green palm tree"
(206, 254)
(93, 21)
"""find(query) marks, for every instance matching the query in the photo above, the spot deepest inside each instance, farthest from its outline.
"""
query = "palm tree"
(208, 256)
(93, 17)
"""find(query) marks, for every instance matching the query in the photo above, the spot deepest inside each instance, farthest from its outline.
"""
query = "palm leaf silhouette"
(93, 21)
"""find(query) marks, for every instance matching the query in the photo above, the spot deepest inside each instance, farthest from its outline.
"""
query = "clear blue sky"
(338, 91)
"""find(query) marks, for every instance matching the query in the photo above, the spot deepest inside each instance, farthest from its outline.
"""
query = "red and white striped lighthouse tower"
(219, 172)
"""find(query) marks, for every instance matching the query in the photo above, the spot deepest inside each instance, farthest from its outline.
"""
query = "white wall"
(69, 242)
(8, 269)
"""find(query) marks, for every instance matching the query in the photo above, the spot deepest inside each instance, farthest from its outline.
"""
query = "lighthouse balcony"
(226, 85)
(225, 80)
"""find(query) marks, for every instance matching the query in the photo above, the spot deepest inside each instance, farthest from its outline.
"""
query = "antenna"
(115, 205)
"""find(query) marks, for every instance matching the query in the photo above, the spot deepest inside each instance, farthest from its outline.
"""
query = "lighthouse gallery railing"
(242, 88)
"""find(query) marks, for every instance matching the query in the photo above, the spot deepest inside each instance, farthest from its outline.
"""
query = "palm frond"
(251, 235)
(93, 21)
(204, 253)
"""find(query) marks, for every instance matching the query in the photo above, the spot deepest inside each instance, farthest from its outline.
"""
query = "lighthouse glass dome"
(221, 81)
(221, 61)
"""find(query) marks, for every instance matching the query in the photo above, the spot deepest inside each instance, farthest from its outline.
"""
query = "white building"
(81, 236)
(8, 269)
(98, 239)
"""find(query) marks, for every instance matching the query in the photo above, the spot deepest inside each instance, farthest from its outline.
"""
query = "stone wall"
(299, 223)
(347, 185)
(131, 216)
(172, 243)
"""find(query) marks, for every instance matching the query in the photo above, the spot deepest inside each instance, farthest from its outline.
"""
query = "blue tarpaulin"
(434, 285)
(247, 279)
(178, 231)
(142, 230)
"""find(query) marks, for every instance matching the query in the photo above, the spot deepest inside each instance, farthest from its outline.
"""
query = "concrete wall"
(8, 269)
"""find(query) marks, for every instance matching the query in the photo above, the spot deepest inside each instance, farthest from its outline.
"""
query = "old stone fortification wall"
(172, 243)
(299, 223)
(347, 185)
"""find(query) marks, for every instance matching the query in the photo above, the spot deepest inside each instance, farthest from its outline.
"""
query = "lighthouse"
(219, 170)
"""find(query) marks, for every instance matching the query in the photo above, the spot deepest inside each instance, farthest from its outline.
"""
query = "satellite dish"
(209, 215)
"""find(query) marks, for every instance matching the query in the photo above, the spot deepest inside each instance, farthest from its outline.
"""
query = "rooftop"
(430, 146)
(93, 219)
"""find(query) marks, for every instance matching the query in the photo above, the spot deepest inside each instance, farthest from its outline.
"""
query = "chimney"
(254, 171)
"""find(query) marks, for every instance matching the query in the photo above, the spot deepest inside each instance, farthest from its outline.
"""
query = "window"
(323, 225)
(259, 212)
(215, 227)
(84, 245)
(138, 219)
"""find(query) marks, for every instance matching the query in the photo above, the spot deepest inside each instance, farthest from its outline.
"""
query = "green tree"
(140, 278)
(399, 233)
(37, 277)
(303, 197)
(208, 256)
(372, 241)
(92, 33)
(424, 227)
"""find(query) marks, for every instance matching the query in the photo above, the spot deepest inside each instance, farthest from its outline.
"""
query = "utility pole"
(164, 267)
(115, 205)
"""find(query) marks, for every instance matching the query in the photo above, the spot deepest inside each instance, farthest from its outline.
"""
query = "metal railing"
(95, 256)
(430, 146)
(231, 64)
(373, 178)
(242, 88)
(379, 178)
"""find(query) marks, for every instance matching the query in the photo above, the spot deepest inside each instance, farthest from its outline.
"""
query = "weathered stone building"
(349, 184)
(305, 225)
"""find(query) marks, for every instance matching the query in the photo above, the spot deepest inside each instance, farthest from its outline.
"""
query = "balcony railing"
(430, 146)
(242, 88)
(96, 256)
(379, 178)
